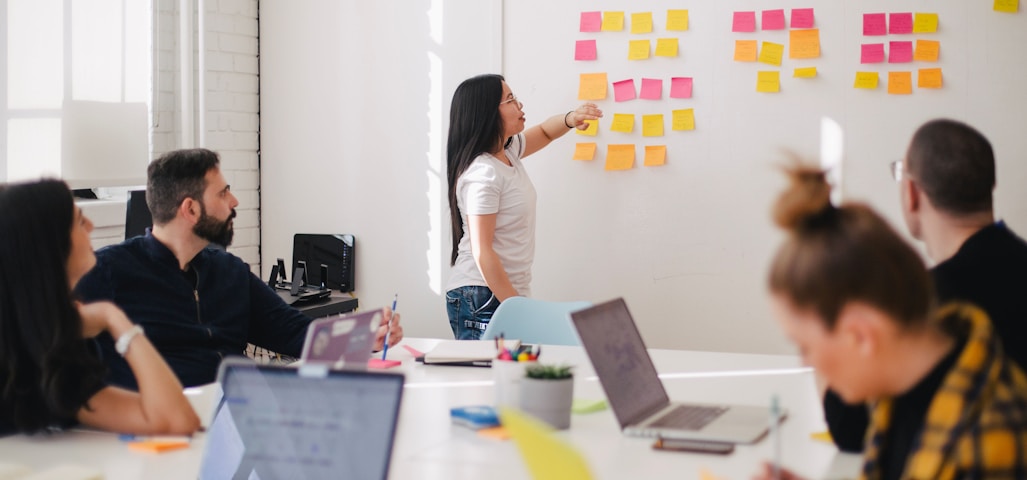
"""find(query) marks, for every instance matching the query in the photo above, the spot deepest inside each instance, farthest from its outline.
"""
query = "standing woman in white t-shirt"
(491, 198)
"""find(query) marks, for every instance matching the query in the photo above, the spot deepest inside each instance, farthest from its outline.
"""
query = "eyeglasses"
(896, 170)
(512, 99)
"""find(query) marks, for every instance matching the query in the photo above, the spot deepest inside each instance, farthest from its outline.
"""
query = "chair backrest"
(535, 321)
(137, 214)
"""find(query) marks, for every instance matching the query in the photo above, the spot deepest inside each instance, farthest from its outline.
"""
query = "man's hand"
(390, 324)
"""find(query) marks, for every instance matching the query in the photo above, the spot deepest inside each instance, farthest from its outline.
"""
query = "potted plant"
(547, 393)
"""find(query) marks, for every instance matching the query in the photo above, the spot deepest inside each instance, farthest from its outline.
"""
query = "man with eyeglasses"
(946, 184)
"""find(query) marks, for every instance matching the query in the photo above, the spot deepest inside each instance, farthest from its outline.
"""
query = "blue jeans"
(470, 309)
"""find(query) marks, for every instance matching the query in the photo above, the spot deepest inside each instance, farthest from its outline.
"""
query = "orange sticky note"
(771, 53)
(620, 157)
(804, 43)
(866, 80)
(613, 21)
(642, 22)
(677, 20)
(655, 155)
(926, 50)
(928, 78)
(638, 49)
(683, 119)
(768, 81)
(495, 433)
(623, 122)
(592, 86)
(652, 125)
(1006, 6)
(925, 22)
(745, 50)
(805, 72)
(158, 446)
(584, 151)
(666, 47)
(900, 83)
(592, 130)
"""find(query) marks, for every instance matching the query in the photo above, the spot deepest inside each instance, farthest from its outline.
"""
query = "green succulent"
(549, 372)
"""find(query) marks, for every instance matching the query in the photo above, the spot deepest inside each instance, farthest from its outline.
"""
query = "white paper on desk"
(450, 351)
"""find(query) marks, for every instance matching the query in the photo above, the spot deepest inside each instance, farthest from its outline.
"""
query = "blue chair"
(535, 321)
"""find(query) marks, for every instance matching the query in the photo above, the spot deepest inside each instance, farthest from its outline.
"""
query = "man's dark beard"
(213, 230)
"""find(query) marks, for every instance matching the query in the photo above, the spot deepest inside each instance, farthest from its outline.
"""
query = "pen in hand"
(388, 328)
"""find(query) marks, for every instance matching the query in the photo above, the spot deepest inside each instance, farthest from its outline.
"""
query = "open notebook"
(476, 353)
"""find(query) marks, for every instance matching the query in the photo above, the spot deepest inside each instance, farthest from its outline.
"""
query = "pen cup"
(508, 376)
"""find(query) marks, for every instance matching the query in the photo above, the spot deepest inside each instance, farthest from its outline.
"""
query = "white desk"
(429, 446)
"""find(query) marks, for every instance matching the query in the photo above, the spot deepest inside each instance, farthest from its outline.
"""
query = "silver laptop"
(311, 422)
(343, 342)
(636, 394)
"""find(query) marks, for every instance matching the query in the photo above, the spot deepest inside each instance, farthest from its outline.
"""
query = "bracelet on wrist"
(125, 339)
(568, 125)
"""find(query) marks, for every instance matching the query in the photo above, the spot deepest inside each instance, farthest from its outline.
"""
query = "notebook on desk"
(343, 342)
(473, 353)
(636, 394)
(310, 422)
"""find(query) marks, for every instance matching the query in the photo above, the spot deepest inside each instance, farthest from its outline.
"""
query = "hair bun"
(808, 196)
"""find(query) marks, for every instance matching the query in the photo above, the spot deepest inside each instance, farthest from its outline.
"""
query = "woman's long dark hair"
(475, 127)
(46, 368)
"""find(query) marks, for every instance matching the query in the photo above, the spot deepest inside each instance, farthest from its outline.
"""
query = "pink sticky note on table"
(681, 87)
(875, 24)
(872, 53)
(773, 19)
(900, 52)
(652, 89)
(624, 90)
(802, 18)
(585, 50)
(900, 23)
(413, 351)
(744, 22)
(382, 364)
(591, 21)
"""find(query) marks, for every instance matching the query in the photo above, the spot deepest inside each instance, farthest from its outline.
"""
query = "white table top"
(429, 446)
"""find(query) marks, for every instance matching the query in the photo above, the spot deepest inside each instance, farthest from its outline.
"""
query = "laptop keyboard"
(688, 417)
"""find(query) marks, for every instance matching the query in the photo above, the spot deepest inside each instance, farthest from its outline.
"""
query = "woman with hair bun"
(856, 300)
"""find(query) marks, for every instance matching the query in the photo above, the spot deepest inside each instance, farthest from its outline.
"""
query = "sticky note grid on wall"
(899, 40)
(764, 43)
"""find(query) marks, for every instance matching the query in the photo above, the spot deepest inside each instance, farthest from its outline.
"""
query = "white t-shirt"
(489, 186)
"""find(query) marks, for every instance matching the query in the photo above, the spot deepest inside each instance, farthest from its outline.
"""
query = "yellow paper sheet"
(666, 47)
(638, 49)
(652, 125)
(771, 53)
(677, 20)
(683, 119)
(866, 80)
(805, 72)
(592, 86)
(900, 83)
(929, 78)
(584, 151)
(1007, 6)
(925, 22)
(547, 457)
(613, 21)
(620, 157)
(623, 122)
(926, 50)
(768, 81)
(642, 22)
(592, 130)
(804, 43)
(745, 50)
(655, 155)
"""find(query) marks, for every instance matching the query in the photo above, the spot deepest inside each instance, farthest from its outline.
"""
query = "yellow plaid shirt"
(976, 425)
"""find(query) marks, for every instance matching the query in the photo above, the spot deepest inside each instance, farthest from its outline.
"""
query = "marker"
(775, 432)
(385, 348)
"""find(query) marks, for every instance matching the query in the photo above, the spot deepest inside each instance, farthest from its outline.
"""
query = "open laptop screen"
(619, 357)
(274, 422)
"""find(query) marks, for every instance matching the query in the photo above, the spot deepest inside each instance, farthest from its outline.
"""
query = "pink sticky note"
(900, 23)
(624, 90)
(413, 351)
(900, 52)
(872, 53)
(591, 21)
(773, 20)
(744, 22)
(681, 87)
(875, 24)
(383, 364)
(652, 89)
(802, 18)
(585, 50)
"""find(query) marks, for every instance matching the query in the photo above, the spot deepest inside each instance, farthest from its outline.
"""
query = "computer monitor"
(334, 250)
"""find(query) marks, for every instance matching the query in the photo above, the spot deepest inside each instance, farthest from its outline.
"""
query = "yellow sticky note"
(613, 21)
(804, 43)
(638, 49)
(926, 50)
(925, 22)
(623, 122)
(900, 83)
(652, 125)
(705, 474)
(683, 119)
(584, 151)
(642, 22)
(655, 155)
(771, 53)
(666, 47)
(592, 130)
(592, 86)
(677, 20)
(805, 72)
(620, 157)
(768, 81)
(928, 78)
(866, 80)
(824, 436)
(745, 50)
(546, 456)
(1007, 6)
